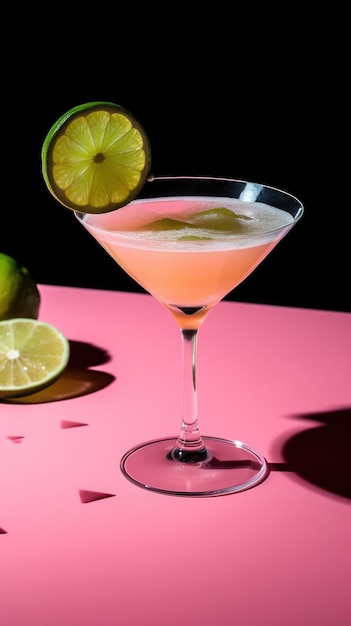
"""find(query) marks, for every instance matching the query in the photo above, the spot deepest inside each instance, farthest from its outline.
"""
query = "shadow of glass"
(77, 379)
(321, 455)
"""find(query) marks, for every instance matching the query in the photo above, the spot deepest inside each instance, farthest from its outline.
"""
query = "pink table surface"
(80, 544)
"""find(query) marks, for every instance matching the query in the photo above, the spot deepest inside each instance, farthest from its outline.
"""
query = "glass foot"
(231, 466)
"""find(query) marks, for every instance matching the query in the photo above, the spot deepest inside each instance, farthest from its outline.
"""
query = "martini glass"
(189, 241)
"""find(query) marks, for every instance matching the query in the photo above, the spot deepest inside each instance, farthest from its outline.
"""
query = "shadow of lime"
(76, 380)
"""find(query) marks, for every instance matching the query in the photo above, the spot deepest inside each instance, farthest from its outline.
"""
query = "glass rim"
(250, 189)
(250, 192)
(292, 205)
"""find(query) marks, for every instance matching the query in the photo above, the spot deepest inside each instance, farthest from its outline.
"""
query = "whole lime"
(19, 294)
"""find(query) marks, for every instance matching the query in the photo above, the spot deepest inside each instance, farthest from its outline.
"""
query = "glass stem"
(190, 446)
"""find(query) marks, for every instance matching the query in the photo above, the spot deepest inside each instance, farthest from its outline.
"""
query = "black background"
(257, 91)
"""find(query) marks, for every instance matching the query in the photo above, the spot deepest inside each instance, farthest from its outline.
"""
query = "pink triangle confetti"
(68, 424)
(91, 496)
(15, 438)
(2, 531)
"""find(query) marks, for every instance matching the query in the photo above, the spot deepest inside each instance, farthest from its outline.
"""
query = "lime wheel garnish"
(96, 158)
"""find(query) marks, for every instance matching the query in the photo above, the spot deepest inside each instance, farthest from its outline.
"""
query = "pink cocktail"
(190, 241)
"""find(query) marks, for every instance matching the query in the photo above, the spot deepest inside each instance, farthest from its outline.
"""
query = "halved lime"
(96, 158)
(33, 354)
